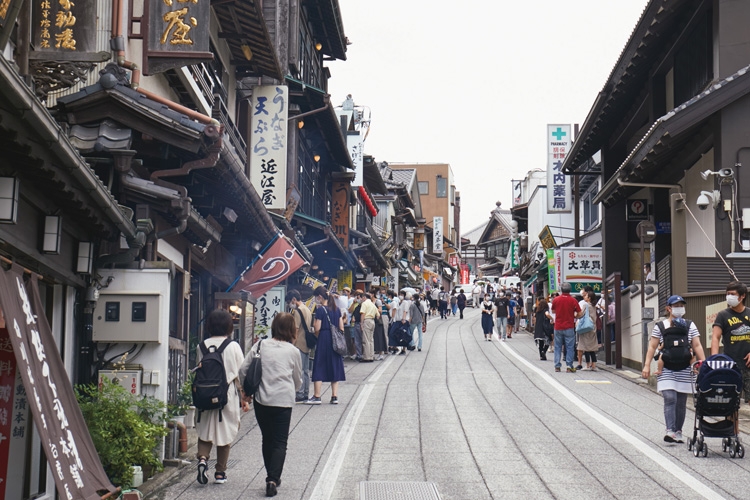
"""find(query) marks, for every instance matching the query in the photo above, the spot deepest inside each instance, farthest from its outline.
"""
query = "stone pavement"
(469, 419)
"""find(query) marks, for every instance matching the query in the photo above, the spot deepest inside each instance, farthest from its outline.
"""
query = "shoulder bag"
(310, 337)
(337, 337)
(585, 324)
(254, 373)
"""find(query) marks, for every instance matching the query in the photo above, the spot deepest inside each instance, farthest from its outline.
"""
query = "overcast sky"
(474, 83)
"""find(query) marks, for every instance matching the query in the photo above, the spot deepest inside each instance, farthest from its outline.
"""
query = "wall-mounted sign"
(558, 184)
(356, 147)
(178, 34)
(267, 148)
(547, 239)
(636, 210)
(340, 211)
(63, 30)
(437, 235)
(293, 198)
(582, 267)
(269, 305)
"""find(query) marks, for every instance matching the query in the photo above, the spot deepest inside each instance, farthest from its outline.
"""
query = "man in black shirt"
(502, 304)
(732, 326)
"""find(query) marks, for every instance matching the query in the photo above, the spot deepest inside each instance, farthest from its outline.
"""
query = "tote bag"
(337, 337)
(585, 324)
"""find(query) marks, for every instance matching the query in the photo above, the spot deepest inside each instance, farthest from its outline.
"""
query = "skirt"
(381, 344)
(327, 365)
(487, 323)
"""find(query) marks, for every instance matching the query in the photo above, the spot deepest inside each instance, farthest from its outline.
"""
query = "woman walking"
(542, 328)
(381, 324)
(328, 365)
(488, 309)
(220, 427)
(674, 385)
(587, 342)
(282, 377)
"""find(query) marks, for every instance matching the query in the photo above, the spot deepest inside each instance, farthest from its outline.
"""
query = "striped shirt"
(680, 380)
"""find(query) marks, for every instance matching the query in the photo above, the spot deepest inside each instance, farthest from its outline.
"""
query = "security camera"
(726, 172)
(707, 198)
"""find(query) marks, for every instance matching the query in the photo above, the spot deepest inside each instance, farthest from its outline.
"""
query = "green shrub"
(126, 429)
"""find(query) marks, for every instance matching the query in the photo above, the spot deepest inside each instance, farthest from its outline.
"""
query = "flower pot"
(179, 418)
(190, 418)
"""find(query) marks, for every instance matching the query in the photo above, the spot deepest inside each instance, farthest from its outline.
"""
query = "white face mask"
(733, 300)
(678, 312)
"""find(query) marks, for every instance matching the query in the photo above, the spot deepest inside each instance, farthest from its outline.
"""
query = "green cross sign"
(559, 134)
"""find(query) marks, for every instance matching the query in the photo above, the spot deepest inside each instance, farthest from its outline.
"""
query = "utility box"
(129, 379)
(127, 318)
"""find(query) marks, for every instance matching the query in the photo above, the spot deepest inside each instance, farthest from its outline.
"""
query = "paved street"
(480, 420)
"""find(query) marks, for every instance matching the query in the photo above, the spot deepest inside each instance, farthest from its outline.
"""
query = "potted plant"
(185, 400)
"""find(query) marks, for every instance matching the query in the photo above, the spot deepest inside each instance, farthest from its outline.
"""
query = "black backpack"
(676, 351)
(210, 386)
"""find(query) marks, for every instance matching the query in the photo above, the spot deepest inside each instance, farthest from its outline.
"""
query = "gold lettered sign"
(178, 34)
(546, 238)
(8, 13)
(340, 212)
(64, 30)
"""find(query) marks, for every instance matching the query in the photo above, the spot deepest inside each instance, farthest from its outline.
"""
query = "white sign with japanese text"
(437, 235)
(268, 144)
(269, 305)
(559, 190)
(356, 147)
(582, 267)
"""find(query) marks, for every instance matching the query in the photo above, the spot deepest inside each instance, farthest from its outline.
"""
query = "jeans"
(675, 404)
(414, 329)
(443, 307)
(274, 427)
(357, 330)
(568, 337)
(454, 308)
(304, 391)
(502, 326)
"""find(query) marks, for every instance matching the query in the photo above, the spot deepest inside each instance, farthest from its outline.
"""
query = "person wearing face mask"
(674, 385)
(732, 326)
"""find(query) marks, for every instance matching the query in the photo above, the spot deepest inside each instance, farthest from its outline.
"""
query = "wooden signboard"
(177, 34)
(340, 212)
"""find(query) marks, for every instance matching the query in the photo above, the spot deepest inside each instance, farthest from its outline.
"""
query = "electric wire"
(710, 242)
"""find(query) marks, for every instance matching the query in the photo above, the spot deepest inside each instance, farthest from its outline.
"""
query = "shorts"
(511, 320)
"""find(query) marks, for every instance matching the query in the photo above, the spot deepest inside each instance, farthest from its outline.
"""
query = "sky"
(474, 83)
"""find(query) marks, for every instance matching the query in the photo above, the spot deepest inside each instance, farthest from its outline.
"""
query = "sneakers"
(220, 477)
(300, 401)
(202, 467)
(334, 400)
(313, 401)
(402, 353)
(671, 437)
(571, 369)
(557, 369)
(380, 357)
(271, 489)
(678, 437)
(579, 367)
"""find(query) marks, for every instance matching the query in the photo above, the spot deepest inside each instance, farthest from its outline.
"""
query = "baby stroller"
(399, 334)
(716, 393)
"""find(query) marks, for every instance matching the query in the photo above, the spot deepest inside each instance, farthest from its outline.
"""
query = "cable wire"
(710, 242)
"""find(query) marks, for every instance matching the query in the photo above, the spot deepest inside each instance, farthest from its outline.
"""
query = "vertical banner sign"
(340, 212)
(517, 192)
(268, 144)
(63, 27)
(419, 239)
(582, 267)
(345, 279)
(178, 33)
(62, 431)
(356, 147)
(7, 392)
(558, 184)
(269, 305)
(551, 270)
(437, 235)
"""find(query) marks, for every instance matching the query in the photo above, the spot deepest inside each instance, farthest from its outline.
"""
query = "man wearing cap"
(674, 385)
(566, 310)
(732, 325)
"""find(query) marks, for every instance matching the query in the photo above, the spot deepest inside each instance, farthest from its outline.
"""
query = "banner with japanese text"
(267, 148)
(582, 267)
(63, 28)
(551, 271)
(437, 235)
(275, 265)
(559, 142)
(269, 305)
(356, 146)
(177, 34)
(340, 211)
(63, 433)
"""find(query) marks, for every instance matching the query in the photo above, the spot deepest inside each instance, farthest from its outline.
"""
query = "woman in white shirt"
(282, 378)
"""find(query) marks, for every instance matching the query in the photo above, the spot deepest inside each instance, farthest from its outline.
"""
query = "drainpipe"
(212, 132)
(648, 185)
(183, 434)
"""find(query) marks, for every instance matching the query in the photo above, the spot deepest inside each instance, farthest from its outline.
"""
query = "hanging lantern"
(368, 202)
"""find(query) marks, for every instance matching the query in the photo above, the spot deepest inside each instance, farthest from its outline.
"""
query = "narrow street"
(480, 420)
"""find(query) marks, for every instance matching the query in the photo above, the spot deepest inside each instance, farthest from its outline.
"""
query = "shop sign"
(267, 149)
(437, 235)
(582, 267)
(346, 278)
(547, 239)
(63, 434)
(340, 212)
(636, 210)
(9, 10)
(551, 271)
(558, 184)
(356, 146)
(178, 34)
(269, 305)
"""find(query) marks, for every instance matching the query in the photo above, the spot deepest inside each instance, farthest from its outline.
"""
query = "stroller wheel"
(724, 444)
(696, 450)
(732, 452)
(705, 449)
(740, 451)
(689, 442)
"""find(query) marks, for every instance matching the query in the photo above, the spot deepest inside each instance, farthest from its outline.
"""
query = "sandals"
(202, 468)
(220, 477)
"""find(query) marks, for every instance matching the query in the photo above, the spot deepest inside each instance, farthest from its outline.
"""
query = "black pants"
(542, 345)
(274, 427)
(443, 306)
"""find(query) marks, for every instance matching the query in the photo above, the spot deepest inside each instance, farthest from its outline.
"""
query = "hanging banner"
(312, 284)
(345, 279)
(177, 34)
(551, 271)
(269, 305)
(274, 266)
(437, 235)
(340, 211)
(71, 455)
(267, 148)
(356, 147)
(517, 192)
(558, 184)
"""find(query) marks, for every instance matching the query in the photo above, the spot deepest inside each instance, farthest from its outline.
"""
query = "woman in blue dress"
(327, 365)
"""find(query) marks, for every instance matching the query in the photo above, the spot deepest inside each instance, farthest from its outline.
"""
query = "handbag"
(254, 373)
(585, 324)
(337, 337)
